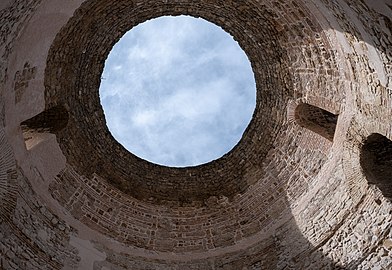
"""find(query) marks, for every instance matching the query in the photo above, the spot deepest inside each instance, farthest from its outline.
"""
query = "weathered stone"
(297, 192)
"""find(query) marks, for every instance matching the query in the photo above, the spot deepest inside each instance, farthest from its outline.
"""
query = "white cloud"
(144, 118)
(177, 91)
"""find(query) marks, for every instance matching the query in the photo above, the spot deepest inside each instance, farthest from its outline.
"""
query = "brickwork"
(22, 78)
(51, 121)
(222, 177)
(299, 191)
(376, 161)
(316, 119)
(31, 235)
(12, 19)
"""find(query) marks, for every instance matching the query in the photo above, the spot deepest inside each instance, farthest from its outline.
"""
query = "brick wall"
(285, 197)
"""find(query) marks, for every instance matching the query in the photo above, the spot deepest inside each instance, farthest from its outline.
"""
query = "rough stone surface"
(295, 193)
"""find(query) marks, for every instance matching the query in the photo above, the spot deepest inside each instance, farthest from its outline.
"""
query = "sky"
(177, 91)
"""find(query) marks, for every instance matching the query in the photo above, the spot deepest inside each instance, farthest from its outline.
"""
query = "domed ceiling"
(294, 193)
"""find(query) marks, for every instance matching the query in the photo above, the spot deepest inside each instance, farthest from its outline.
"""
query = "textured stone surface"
(293, 194)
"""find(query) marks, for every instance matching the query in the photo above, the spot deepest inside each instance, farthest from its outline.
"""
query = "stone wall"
(291, 195)
(31, 235)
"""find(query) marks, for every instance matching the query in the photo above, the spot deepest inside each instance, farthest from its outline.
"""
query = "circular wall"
(79, 51)
(291, 195)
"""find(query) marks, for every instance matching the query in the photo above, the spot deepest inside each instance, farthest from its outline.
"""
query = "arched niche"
(39, 127)
(376, 162)
(316, 119)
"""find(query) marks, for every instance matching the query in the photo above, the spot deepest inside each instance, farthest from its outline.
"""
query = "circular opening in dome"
(177, 91)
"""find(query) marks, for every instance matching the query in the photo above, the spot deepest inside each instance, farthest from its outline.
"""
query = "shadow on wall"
(375, 154)
(376, 161)
(287, 248)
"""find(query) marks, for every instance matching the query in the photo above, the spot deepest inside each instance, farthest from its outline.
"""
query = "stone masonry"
(309, 186)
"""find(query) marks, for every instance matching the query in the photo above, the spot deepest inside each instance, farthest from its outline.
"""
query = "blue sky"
(177, 91)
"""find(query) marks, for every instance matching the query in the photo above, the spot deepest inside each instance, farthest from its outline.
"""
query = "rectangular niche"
(43, 125)
(316, 119)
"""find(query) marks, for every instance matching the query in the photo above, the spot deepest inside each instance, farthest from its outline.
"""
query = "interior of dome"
(307, 186)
